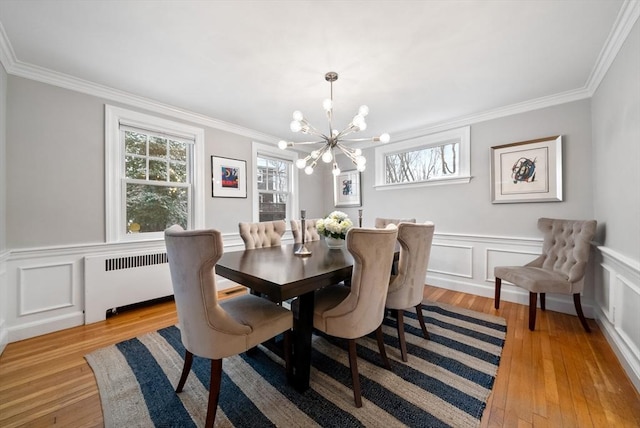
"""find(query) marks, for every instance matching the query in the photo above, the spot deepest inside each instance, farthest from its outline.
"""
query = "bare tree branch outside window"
(422, 164)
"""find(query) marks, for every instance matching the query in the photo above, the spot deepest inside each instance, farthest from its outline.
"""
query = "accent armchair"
(559, 269)
(209, 328)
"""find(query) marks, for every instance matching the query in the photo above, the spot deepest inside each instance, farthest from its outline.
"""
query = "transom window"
(154, 170)
(434, 159)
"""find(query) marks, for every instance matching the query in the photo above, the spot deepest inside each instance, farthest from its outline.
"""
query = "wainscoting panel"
(4, 332)
(454, 260)
(617, 303)
(45, 288)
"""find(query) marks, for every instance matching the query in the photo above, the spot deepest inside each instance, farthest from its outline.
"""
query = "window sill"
(436, 182)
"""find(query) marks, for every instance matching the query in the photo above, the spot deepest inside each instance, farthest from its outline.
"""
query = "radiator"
(116, 280)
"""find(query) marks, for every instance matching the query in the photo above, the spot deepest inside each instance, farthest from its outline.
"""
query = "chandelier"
(335, 140)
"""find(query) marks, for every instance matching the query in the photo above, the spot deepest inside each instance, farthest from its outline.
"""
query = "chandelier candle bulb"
(335, 139)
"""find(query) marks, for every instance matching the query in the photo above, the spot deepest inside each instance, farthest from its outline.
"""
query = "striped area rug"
(445, 383)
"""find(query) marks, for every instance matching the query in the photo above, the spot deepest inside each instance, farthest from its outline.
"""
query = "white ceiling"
(251, 63)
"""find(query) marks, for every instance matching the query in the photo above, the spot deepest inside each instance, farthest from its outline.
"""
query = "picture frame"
(527, 171)
(228, 177)
(346, 189)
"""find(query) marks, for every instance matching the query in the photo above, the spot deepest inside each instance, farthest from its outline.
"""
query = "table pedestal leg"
(302, 330)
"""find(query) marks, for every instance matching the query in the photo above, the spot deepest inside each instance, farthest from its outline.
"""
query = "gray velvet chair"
(310, 233)
(560, 268)
(406, 289)
(355, 311)
(381, 223)
(210, 328)
(262, 234)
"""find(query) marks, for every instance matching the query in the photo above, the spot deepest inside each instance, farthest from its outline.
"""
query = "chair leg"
(214, 392)
(533, 302)
(425, 333)
(583, 320)
(383, 351)
(355, 377)
(401, 339)
(496, 302)
(186, 368)
(543, 301)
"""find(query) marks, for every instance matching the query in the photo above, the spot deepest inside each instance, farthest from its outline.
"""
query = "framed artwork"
(528, 171)
(346, 189)
(228, 178)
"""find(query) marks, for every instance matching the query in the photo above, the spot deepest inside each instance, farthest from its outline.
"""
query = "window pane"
(157, 147)
(178, 172)
(422, 164)
(178, 150)
(135, 143)
(273, 206)
(154, 208)
(135, 167)
(157, 170)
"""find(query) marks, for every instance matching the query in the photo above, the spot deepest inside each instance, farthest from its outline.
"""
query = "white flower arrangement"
(335, 225)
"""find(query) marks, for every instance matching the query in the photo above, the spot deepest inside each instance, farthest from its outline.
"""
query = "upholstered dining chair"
(560, 268)
(353, 312)
(381, 223)
(262, 234)
(210, 328)
(406, 289)
(310, 230)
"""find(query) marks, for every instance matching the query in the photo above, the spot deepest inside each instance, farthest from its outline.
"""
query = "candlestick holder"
(359, 218)
(302, 250)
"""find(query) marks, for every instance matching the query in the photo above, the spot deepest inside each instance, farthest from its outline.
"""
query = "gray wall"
(3, 159)
(616, 151)
(467, 208)
(55, 185)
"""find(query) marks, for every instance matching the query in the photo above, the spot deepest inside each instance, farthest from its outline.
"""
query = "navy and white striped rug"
(445, 383)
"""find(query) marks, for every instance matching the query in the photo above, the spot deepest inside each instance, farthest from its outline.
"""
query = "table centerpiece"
(334, 227)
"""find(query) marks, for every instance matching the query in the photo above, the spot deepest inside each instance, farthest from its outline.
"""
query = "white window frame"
(275, 152)
(114, 170)
(460, 135)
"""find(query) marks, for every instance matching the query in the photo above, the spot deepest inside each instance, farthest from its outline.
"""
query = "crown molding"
(627, 17)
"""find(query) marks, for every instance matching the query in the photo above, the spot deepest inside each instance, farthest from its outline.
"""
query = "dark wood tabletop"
(280, 274)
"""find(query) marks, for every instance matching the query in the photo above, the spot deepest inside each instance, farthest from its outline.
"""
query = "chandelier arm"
(357, 140)
(314, 131)
(347, 152)
(302, 143)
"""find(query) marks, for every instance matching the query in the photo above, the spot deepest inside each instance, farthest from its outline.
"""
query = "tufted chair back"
(566, 248)
(262, 234)
(310, 233)
(381, 223)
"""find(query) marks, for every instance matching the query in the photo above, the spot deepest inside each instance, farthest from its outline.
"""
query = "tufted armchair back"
(310, 233)
(381, 223)
(566, 248)
(262, 234)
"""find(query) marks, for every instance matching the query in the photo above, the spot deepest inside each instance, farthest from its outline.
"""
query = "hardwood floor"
(557, 376)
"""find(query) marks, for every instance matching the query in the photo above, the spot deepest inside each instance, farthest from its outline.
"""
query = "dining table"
(279, 274)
